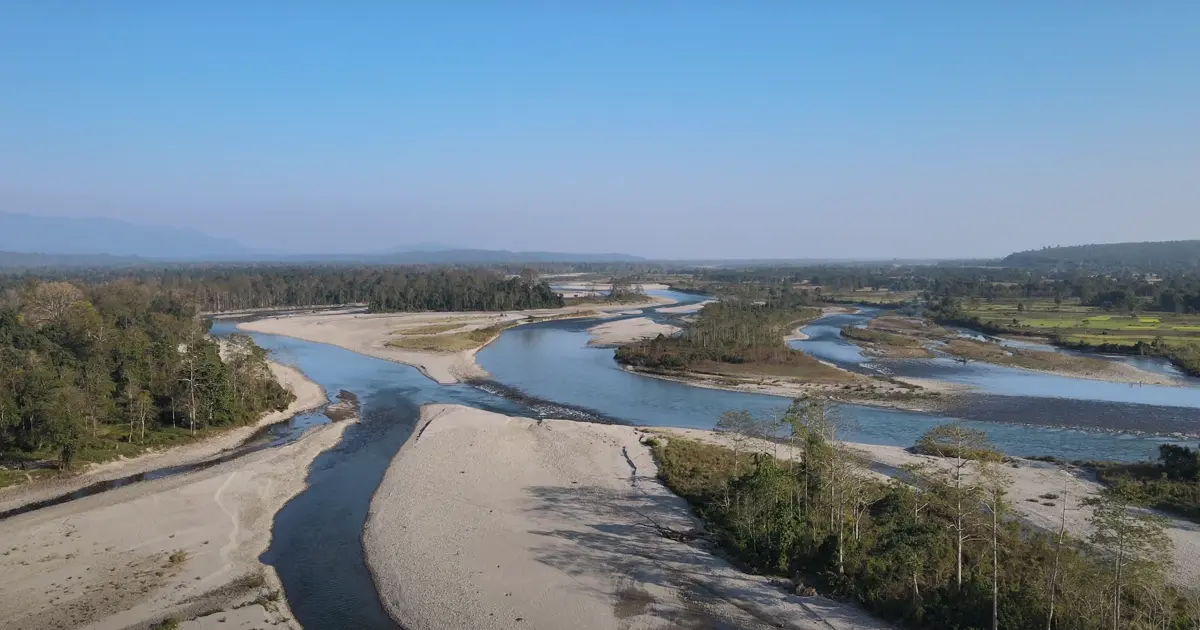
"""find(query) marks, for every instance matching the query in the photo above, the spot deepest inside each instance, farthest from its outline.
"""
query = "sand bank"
(487, 521)
(180, 547)
(1031, 481)
(309, 395)
(628, 330)
(369, 333)
(875, 392)
(685, 308)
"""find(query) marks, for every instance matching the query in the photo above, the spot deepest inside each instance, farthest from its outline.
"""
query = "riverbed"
(548, 370)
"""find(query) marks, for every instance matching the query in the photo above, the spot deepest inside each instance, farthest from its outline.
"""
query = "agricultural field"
(1171, 334)
(1073, 322)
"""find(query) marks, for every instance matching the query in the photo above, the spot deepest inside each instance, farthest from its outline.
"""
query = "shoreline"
(367, 334)
(941, 393)
(309, 397)
(182, 547)
(489, 521)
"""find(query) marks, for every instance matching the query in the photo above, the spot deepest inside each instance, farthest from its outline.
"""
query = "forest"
(730, 332)
(1159, 257)
(942, 552)
(95, 371)
(383, 288)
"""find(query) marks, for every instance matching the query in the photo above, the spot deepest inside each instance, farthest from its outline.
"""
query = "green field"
(1170, 334)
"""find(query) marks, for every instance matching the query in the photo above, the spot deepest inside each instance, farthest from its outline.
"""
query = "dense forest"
(97, 371)
(1156, 257)
(944, 552)
(226, 288)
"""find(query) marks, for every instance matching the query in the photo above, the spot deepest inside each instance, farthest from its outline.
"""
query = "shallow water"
(552, 360)
(826, 342)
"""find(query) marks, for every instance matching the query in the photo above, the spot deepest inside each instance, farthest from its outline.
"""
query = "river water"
(316, 546)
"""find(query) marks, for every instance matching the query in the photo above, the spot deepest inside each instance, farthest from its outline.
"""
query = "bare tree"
(1135, 541)
(995, 484)
(49, 301)
(960, 446)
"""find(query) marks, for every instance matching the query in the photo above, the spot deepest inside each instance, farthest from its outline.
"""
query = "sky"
(686, 129)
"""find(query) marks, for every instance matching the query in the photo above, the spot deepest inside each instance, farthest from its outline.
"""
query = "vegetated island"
(900, 337)
(739, 345)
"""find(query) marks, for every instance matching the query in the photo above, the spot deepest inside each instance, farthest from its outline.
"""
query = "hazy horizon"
(714, 132)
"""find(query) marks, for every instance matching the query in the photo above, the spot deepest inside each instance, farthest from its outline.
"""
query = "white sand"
(104, 561)
(369, 333)
(797, 334)
(628, 330)
(309, 395)
(685, 308)
(1030, 480)
(487, 521)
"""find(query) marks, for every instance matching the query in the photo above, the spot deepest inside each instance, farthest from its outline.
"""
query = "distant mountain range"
(1149, 256)
(23, 233)
(32, 241)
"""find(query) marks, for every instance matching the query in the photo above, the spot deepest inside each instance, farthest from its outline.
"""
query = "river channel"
(316, 546)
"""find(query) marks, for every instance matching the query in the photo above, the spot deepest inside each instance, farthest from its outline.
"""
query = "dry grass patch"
(430, 329)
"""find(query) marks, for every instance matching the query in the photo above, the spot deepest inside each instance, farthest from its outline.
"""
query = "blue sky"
(674, 129)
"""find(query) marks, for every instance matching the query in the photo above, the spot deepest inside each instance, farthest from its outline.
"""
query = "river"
(316, 546)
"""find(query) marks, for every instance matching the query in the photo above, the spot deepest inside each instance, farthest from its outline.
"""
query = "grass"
(888, 344)
(453, 342)
(430, 329)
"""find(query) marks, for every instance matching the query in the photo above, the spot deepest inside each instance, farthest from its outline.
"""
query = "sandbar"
(490, 521)
(627, 331)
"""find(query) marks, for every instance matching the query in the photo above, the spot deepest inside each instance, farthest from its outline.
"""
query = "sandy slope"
(1031, 480)
(105, 561)
(628, 330)
(369, 333)
(309, 395)
(487, 521)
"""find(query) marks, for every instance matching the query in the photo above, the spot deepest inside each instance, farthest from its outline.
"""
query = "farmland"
(1174, 335)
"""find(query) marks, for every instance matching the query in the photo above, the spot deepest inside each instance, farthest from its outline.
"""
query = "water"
(552, 360)
(316, 543)
(826, 342)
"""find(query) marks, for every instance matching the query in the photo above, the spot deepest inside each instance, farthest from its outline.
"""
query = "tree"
(995, 485)
(1134, 540)
(740, 426)
(961, 446)
(48, 302)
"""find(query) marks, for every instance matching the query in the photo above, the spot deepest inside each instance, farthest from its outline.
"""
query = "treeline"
(113, 368)
(384, 288)
(729, 331)
(943, 551)
(1160, 257)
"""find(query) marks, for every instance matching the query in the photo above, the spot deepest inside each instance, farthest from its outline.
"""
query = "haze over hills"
(36, 241)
